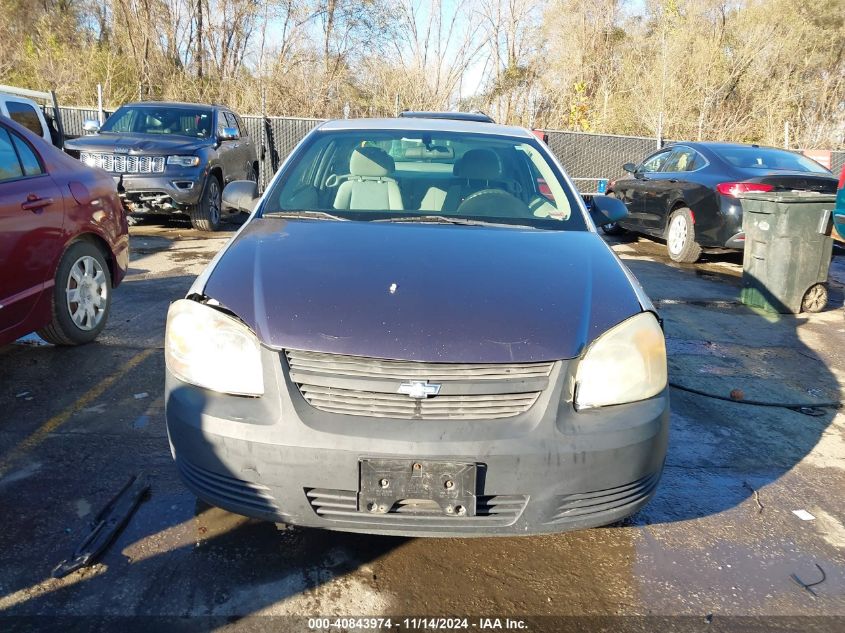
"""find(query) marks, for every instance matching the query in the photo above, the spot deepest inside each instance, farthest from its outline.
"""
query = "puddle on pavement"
(724, 577)
(585, 572)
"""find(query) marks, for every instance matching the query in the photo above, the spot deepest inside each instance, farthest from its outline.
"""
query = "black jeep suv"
(171, 157)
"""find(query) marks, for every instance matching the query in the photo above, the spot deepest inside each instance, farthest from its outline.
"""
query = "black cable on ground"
(807, 408)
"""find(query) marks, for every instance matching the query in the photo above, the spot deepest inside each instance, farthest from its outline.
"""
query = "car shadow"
(720, 451)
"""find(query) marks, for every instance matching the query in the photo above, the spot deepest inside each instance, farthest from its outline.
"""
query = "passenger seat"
(369, 186)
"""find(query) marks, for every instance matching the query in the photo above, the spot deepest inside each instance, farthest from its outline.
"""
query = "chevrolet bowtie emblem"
(419, 389)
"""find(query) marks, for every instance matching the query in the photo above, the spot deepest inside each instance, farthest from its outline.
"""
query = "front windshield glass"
(193, 122)
(405, 175)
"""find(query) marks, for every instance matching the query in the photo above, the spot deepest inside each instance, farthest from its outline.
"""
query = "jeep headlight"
(210, 349)
(183, 161)
(625, 364)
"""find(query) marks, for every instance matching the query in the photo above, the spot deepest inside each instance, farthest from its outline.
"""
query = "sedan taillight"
(734, 189)
(842, 178)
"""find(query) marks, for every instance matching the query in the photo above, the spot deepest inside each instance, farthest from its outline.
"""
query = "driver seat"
(477, 169)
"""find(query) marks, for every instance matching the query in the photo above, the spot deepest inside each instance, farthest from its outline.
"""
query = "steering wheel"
(493, 203)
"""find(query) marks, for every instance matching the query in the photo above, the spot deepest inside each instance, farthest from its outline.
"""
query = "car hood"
(435, 293)
(136, 143)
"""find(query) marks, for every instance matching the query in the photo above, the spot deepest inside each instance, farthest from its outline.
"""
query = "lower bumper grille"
(227, 490)
(342, 506)
(599, 501)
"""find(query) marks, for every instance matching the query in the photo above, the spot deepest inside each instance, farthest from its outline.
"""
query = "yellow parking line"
(57, 420)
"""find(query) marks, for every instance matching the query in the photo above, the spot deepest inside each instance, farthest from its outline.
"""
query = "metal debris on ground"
(141, 396)
(106, 525)
(809, 585)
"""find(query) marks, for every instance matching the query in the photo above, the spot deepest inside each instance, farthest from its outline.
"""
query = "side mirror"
(229, 134)
(629, 167)
(240, 195)
(606, 210)
(90, 126)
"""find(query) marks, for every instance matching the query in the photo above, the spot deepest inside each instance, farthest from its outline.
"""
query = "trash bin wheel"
(815, 299)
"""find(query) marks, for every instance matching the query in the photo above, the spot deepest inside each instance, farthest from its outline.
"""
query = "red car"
(64, 241)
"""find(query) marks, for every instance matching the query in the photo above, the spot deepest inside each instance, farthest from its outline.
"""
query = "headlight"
(625, 364)
(183, 161)
(210, 349)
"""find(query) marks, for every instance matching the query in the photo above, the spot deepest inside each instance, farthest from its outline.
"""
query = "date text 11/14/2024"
(417, 624)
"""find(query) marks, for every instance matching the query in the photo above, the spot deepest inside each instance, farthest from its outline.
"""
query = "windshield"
(439, 176)
(193, 122)
(768, 159)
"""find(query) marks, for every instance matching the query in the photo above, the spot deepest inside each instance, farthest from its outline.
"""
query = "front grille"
(124, 164)
(588, 503)
(342, 506)
(225, 489)
(354, 385)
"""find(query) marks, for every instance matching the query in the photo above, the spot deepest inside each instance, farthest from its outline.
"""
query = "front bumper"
(550, 469)
(171, 190)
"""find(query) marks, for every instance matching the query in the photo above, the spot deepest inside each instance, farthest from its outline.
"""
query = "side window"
(29, 161)
(231, 121)
(124, 122)
(26, 115)
(241, 126)
(656, 162)
(10, 167)
(684, 159)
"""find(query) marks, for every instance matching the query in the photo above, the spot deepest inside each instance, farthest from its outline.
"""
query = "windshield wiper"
(309, 214)
(444, 219)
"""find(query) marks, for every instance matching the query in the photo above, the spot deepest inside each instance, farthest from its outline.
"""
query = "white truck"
(18, 105)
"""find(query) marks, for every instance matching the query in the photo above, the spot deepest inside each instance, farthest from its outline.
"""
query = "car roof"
(175, 104)
(716, 145)
(427, 125)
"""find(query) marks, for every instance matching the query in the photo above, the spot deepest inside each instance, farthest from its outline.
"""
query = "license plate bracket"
(385, 482)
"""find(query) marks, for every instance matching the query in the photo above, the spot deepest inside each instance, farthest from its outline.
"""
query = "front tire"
(680, 237)
(205, 216)
(81, 296)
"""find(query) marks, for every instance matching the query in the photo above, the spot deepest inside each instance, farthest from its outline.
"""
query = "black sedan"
(688, 193)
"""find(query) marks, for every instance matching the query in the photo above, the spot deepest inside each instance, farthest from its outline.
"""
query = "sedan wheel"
(81, 296)
(86, 292)
(680, 237)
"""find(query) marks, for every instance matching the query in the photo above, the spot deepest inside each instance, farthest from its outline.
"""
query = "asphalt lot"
(720, 538)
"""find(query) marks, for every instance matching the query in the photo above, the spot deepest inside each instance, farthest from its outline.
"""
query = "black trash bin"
(788, 247)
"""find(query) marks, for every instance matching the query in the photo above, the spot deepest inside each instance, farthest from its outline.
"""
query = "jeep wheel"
(205, 216)
(81, 296)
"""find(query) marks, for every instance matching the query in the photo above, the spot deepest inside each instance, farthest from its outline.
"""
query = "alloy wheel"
(677, 234)
(87, 293)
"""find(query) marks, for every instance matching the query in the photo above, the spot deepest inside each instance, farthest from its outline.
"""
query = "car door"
(236, 159)
(660, 188)
(31, 221)
(247, 147)
(638, 188)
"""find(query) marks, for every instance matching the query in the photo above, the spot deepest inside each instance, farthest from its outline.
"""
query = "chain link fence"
(588, 158)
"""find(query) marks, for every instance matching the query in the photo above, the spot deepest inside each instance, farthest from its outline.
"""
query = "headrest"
(370, 161)
(478, 164)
